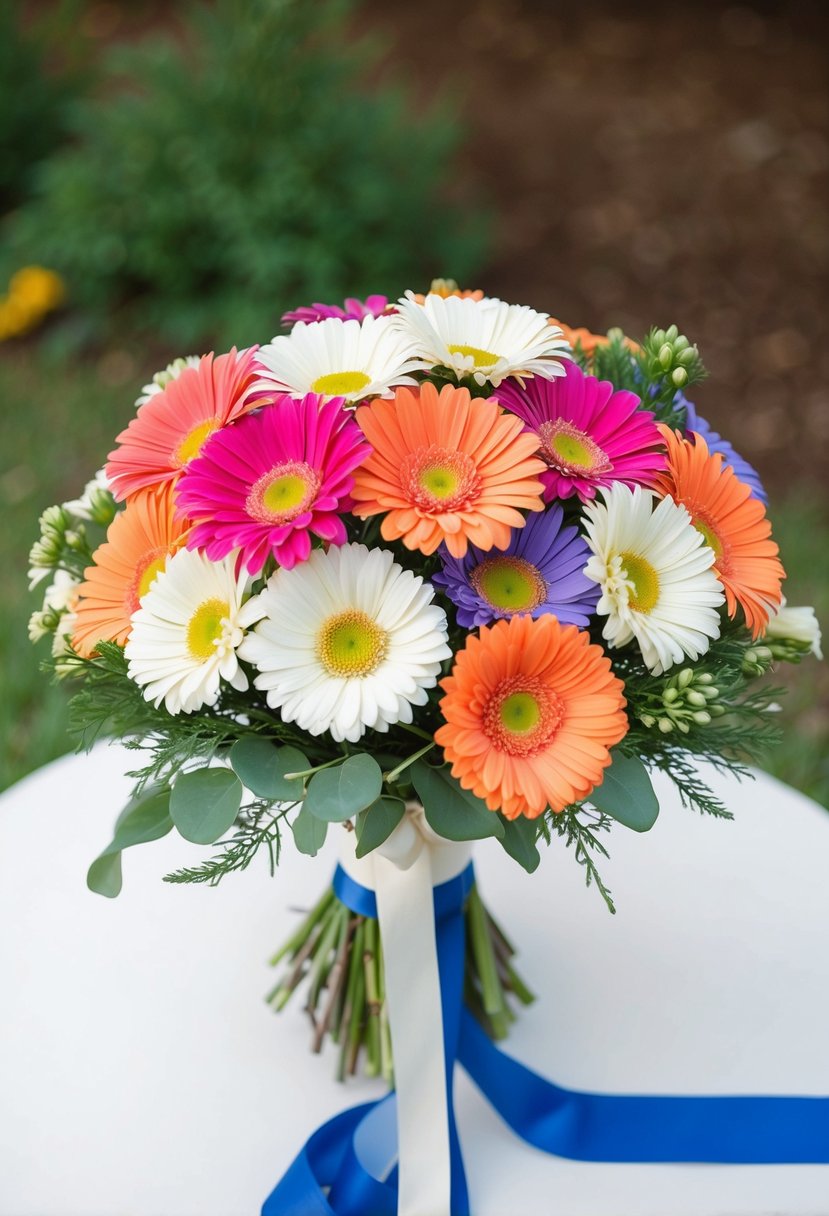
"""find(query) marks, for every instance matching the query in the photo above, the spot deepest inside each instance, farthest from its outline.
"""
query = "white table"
(141, 1072)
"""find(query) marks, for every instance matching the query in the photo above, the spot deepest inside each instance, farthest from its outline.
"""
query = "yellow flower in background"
(33, 292)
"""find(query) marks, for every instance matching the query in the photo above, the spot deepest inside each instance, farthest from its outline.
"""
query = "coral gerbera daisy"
(264, 485)
(590, 434)
(732, 522)
(656, 576)
(349, 641)
(485, 339)
(350, 359)
(171, 428)
(446, 468)
(541, 570)
(187, 631)
(138, 543)
(532, 710)
(587, 341)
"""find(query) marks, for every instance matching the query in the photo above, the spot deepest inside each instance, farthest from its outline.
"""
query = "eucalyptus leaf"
(142, 819)
(451, 811)
(262, 767)
(377, 822)
(205, 803)
(309, 832)
(337, 794)
(519, 840)
(626, 793)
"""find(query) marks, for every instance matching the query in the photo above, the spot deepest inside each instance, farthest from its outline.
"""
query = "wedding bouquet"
(441, 566)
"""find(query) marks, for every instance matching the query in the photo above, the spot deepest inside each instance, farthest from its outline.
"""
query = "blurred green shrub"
(39, 75)
(245, 168)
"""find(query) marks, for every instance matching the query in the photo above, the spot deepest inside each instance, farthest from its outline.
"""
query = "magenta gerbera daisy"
(265, 484)
(591, 435)
(374, 306)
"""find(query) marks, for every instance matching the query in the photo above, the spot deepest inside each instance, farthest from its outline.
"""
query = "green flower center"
(206, 627)
(509, 584)
(639, 571)
(351, 644)
(522, 715)
(481, 358)
(520, 712)
(571, 450)
(340, 384)
(440, 479)
(283, 493)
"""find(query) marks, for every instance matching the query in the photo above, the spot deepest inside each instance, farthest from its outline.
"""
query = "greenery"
(219, 179)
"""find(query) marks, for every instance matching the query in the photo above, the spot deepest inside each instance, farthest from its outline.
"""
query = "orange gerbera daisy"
(171, 428)
(446, 468)
(139, 541)
(733, 523)
(532, 710)
(587, 339)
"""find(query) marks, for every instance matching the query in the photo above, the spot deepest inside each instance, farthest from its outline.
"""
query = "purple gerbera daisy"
(591, 435)
(263, 485)
(541, 570)
(694, 424)
(372, 306)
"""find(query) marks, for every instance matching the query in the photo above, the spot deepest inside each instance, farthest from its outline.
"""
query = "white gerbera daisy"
(351, 359)
(161, 379)
(349, 640)
(656, 576)
(186, 633)
(485, 339)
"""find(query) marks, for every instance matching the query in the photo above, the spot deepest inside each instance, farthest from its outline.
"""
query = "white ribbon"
(402, 873)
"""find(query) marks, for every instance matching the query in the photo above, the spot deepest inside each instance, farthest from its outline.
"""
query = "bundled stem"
(337, 957)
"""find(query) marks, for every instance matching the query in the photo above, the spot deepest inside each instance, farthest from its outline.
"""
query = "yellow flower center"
(481, 358)
(439, 480)
(146, 568)
(639, 571)
(709, 536)
(351, 644)
(520, 713)
(148, 575)
(194, 441)
(571, 450)
(205, 628)
(283, 493)
(340, 384)
(510, 584)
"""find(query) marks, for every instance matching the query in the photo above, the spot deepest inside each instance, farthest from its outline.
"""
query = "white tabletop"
(141, 1073)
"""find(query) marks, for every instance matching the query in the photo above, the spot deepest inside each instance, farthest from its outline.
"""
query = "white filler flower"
(186, 633)
(792, 624)
(349, 641)
(161, 379)
(351, 359)
(656, 576)
(485, 339)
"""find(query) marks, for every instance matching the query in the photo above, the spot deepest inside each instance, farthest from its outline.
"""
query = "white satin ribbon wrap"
(402, 873)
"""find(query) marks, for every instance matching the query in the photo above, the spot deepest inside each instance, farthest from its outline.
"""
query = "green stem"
(493, 993)
(395, 772)
(309, 772)
(322, 963)
(415, 730)
(298, 939)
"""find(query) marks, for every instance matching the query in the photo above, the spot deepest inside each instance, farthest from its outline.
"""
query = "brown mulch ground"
(652, 164)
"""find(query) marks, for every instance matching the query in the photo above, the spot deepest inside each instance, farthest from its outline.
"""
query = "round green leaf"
(519, 840)
(336, 794)
(626, 794)
(262, 768)
(309, 832)
(142, 819)
(451, 811)
(204, 804)
(377, 822)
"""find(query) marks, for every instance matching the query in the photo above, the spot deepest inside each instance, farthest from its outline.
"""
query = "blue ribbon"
(329, 1178)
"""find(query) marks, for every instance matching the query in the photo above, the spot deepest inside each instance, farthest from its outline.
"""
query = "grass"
(59, 420)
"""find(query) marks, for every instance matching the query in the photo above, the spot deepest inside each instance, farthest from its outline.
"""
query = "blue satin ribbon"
(328, 1177)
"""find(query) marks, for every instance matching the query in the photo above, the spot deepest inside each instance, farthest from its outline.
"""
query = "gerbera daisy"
(139, 540)
(590, 434)
(696, 424)
(171, 428)
(587, 340)
(485, 339)
(264, 485)
(656, 576)
(349, 641)
(350, 359)
(372, 306)
(186, 633)
(446, 468)
(732, 522)
(540, 571)
(532, 710)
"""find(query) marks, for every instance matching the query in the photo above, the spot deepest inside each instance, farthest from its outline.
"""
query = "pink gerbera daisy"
(171, 428)
(374, 306)
(591, 435)
(263, 485)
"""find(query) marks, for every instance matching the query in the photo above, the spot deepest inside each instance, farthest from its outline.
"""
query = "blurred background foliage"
(192, 169)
